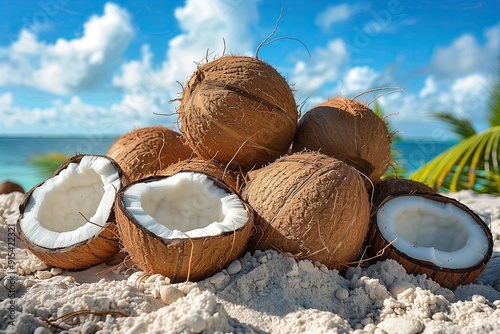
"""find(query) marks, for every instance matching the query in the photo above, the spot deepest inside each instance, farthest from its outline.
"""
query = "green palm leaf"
(47, 163)
(494, 104)
(471, 164)
(461, 126)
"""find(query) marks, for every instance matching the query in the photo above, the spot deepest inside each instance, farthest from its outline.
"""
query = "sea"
(17, 152)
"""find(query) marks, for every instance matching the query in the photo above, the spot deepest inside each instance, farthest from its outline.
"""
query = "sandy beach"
(265, 292)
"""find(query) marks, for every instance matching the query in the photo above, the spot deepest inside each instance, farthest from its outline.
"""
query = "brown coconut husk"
(309, 205)
(181, 260)
(383, 249)
(350, 131)
(85, 254)
(239, 111)
(8, 187)
(145, 151)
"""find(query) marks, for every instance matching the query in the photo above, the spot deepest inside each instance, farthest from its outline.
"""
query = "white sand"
(260, 293)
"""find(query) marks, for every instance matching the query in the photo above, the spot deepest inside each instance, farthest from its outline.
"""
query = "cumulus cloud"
(358, 79)
(66, 116)
(335, 14)
(215, 26)
(326, 66)
(147, 89)
(68, 65)
(466, 55)
(207, 25)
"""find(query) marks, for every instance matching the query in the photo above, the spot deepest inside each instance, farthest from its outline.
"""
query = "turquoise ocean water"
(15, 154)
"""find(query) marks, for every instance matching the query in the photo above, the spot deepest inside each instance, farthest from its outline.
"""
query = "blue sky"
(102, 68)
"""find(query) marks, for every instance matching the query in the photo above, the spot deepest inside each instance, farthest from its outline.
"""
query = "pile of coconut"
(246, 173)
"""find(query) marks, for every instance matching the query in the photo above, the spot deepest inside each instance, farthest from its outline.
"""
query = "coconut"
(67, 220)
(309, 205)
(431, 234)
(210, 167)
(8, 187)
(187, 226)
(145, 151)
(348, 130)
(239, 111)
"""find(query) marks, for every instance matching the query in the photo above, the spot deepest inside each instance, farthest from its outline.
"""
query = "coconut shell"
(239, 111)
(382, 249)
(310, 205)
(183, 259)
(348, 130)
(8, 187)
(82, 255)
(145, 151)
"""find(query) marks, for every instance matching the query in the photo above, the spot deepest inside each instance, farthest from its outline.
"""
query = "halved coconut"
(67, 220)
(144, 151)
(187, 226)
(310, 205)
(434, 235)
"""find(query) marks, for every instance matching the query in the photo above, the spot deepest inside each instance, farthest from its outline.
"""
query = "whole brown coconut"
(8, 187)
(145, 151)
(431, 234)
(210, 167)
(238, 110)
(68, 220)
(310, 205)
(348, 130)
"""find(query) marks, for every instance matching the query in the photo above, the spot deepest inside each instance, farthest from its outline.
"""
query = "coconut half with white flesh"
(187, 226)
(434, 235)
(68, 219)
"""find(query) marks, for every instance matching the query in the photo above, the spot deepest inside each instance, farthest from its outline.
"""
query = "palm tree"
(473, 163)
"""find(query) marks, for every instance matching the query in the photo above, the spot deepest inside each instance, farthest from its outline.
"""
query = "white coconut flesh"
(184, 205)
(437, 232)
(72, 206)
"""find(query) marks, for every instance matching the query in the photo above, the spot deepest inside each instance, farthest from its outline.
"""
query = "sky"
(99, 68)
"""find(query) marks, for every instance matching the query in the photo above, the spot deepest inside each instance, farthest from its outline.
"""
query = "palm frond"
(461, 126)
(47, 163)
(494, 102)
(471, 164)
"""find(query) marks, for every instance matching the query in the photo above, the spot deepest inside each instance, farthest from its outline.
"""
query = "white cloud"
(206, 26)
(322, 71)
(75, 116)
(335, 14)
(464, 97)
(429, 87)
(358, 79)
(146, 89)
(465, 55)
(68, 65)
